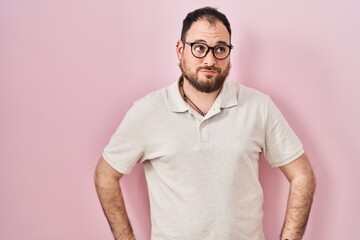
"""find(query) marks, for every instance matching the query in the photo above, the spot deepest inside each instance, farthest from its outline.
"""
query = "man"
(199, 141)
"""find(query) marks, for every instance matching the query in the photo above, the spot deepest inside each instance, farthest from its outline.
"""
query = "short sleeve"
(281, 143)
(126, 146)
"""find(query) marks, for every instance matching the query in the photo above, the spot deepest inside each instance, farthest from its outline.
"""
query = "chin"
(207, 77)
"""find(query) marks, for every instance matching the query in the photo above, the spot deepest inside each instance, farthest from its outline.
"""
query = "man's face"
(204, 74)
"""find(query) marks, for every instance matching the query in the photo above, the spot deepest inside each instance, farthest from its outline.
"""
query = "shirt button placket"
(203, 135)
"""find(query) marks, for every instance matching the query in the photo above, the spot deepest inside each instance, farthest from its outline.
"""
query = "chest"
(240, 134)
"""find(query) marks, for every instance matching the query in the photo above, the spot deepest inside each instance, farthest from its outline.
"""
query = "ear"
(179, 49)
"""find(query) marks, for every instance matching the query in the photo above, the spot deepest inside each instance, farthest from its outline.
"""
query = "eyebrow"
(203, 41)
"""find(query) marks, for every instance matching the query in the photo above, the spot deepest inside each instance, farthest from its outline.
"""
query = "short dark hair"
(208, 13)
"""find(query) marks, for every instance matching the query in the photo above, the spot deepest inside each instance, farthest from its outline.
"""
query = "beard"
(210, 84)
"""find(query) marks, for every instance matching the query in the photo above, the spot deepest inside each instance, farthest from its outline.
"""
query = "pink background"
(69, 70)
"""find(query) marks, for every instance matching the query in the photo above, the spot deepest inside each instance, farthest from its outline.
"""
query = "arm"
(302, 187)
(109, 193)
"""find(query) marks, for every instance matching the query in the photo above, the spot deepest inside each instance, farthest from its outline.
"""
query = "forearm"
(298, 208)
(112, 202)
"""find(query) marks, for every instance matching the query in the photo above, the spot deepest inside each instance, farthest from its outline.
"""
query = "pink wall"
(70, 69)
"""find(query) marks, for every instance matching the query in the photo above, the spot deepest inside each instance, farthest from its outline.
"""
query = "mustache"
(212, 68)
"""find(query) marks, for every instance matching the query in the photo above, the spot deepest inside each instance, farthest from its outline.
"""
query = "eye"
(200, 48)
(220, 49)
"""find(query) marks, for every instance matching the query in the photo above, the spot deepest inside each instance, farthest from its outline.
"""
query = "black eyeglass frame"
(191, 44)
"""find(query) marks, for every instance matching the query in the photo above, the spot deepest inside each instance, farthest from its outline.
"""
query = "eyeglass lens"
(220, 51)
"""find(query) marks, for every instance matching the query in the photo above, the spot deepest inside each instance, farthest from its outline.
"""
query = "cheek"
(225, 62)
(198, 61)
(191, 62)
(224, 65)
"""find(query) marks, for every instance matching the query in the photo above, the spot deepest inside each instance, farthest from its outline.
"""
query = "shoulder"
(153, 97)
(247, 95)
(154, 101)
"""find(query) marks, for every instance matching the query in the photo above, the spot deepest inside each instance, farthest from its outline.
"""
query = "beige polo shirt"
(202, 172)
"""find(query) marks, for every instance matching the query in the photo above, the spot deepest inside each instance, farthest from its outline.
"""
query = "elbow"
(305, 183)
(311, 180)
(105, 175)
(98, 177)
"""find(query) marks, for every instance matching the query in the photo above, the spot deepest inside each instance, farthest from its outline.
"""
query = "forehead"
(209, 32)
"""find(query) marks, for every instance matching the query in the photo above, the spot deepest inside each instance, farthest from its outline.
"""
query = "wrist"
(129, 236)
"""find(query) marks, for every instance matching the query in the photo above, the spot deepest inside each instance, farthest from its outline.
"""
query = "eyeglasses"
(200, 50)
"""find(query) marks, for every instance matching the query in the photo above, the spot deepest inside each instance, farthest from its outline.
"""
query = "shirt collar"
(228, 95)
(176, 101)
(226, 99)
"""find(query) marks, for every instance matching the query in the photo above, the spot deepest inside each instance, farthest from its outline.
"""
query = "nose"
(209, 59)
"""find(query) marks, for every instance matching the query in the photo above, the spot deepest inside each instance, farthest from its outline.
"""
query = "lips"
(209, 70)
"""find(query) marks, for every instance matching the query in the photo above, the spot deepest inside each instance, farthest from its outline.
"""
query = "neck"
(199, 101)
